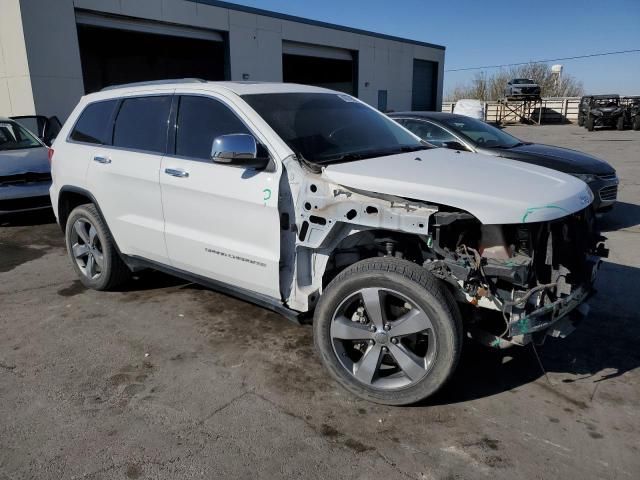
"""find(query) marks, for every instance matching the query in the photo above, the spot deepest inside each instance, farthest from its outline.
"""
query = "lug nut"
(394, 340)
(385, 349)
(371, 342)
(372, 328)
(387, 327)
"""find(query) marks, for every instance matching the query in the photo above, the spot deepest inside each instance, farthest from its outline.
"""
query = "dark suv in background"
(631, 114)
(601, 111)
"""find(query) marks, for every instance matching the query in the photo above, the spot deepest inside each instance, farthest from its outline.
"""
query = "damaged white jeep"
(303, 200)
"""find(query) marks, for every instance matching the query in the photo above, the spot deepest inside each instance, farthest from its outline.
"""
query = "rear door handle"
(176, 172)
(101, 159)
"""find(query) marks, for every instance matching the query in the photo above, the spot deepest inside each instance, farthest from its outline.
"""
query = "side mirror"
(453, 145)
(239, 150)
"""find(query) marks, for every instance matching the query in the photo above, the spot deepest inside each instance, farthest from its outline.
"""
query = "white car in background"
(470, 108)
(302, 200)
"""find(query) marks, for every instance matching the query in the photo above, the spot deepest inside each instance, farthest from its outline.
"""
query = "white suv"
(303, 199)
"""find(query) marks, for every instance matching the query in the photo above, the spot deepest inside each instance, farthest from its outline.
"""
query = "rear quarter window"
(94, 123)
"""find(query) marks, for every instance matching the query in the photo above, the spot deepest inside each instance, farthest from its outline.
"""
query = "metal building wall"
(53, 82)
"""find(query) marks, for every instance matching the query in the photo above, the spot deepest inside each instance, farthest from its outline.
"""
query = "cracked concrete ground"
(229, 390)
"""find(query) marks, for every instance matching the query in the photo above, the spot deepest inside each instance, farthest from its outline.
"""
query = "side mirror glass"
(453, 145)
(239, 150)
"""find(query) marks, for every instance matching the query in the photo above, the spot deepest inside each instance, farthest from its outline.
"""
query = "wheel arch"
(71, 197)
(370, 243)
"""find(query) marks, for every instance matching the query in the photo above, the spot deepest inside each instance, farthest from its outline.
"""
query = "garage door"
(326, 67)
(115, 51)
(425, 84)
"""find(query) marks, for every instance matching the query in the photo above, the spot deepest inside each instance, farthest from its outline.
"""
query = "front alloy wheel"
(388, 331)
(383, 339)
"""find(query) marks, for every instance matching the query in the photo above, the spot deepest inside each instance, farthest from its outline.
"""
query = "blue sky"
(488, 32)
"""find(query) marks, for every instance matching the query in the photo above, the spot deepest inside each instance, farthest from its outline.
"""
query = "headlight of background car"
(585, 177)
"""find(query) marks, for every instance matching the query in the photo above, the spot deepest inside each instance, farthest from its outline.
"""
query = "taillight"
(50, 155)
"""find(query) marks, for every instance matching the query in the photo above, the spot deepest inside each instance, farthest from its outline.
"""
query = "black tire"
(113, 271)
(636, 122)
(580, 120)
(620, 123)
(589, 123)
(421, 288)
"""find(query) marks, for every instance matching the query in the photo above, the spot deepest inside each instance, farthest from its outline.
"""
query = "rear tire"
(580, 121)
(636, 122)
(388, 331)
(589, 123)
(620, 123)
(92, 250)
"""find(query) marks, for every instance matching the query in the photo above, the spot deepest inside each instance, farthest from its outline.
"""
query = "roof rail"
(154, 82)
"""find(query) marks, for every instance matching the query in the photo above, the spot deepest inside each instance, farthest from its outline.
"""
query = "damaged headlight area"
(528, 277)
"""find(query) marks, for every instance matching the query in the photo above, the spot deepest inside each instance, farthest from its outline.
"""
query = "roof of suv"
(239, 88)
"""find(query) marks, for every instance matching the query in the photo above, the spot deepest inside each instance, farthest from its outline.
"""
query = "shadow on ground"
(623, 215)
(604, 346)
(27, 219)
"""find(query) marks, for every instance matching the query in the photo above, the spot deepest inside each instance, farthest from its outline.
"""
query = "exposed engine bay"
(514, 282)
(531, 274)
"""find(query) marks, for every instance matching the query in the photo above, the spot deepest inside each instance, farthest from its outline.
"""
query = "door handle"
(101, 159)
(176, 172)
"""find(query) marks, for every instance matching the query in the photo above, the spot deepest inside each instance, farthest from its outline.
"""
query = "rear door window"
(94, 124)
(142, 123)
(200, 121)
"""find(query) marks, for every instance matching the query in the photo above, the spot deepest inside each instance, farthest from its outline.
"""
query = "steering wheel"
(340, 131)
(480, 140)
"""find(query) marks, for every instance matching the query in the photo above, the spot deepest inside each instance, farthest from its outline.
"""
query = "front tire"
(590, 123)
(580, 121)
(388, 331)
(636, 122)
(92, 251)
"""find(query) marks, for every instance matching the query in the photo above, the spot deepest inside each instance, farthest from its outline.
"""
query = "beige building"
(54, 51)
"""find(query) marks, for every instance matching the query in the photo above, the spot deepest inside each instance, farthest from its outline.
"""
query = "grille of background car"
(609, 193)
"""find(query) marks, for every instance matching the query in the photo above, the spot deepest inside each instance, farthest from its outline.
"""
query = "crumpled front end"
(532, 279)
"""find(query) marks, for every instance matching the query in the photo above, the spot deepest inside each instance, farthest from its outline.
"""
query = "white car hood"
(494, 190)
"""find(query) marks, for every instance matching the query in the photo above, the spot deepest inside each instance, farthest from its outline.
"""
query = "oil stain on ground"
(72, 290)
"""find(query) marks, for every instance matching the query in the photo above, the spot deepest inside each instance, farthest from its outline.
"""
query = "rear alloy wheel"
(87, 249)
(388, 331)
(92, 251)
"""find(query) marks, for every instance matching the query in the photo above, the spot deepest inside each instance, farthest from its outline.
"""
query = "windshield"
(522, 81)
(15, 137)
(480, 133)
(606, 102)
(326, 127)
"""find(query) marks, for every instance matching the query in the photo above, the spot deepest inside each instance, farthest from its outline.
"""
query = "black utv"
(601, 111)
(631, 107)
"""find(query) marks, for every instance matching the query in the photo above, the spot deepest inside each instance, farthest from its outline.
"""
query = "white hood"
(494, 190)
